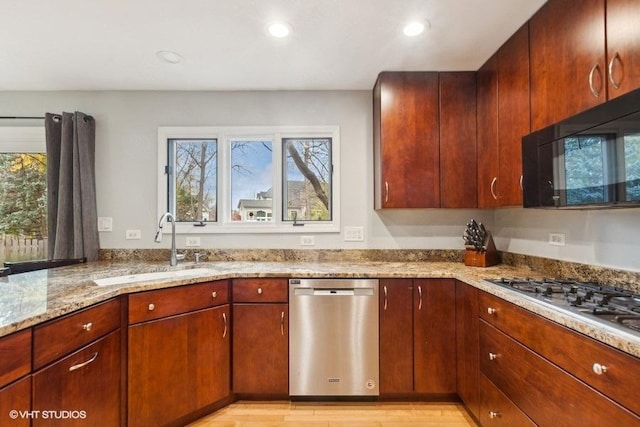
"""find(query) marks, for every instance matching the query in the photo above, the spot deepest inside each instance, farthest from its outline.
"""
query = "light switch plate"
(105, 223)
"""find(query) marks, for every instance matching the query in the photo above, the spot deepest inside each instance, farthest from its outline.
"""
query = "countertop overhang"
(28, 299)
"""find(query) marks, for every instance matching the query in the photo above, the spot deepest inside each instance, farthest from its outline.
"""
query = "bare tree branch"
(308, 173)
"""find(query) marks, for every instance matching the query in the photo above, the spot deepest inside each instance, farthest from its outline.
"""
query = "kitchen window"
(23, 194)
(249, 179)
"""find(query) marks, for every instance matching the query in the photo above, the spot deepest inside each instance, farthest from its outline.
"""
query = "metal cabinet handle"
(420, 294)
(493, 187)
(282, 323)
(613, 81)
(87, 326)
(224, 319)
(386, 191)
(491, 310)
(599, 369)
(384, 290)
(493, 356)
(259, 291)
(214, 294)
(593, 90)
(152, 307)
(93, 357)
(521, 177)
(494, 414)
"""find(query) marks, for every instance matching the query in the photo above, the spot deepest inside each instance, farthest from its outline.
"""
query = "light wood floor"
(303, 414)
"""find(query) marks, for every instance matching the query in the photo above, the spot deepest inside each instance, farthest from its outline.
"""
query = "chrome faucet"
(175, 256)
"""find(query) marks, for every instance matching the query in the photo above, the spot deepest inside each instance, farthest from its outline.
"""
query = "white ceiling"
(336, 44)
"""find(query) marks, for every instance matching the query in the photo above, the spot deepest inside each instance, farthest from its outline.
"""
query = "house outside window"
(260, 179)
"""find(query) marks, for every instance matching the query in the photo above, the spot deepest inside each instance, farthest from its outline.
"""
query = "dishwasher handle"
(334, 292)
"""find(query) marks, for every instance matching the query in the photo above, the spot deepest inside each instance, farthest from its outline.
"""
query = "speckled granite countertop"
(31, 298)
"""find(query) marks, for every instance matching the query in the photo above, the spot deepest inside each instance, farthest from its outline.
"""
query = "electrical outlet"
(133, 235)
(354, 234)
(307, 240)
(192, 241)
(105, 223)
(556, 239)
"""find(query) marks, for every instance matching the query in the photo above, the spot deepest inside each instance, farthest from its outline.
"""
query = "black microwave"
(591, 160)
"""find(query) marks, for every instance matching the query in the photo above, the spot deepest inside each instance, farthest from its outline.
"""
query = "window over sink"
(273, 179)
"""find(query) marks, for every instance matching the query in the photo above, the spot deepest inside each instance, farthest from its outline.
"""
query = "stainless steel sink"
(154, 276)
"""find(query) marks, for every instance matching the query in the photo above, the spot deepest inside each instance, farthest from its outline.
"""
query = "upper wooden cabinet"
(623, 46)
(424, 140)
(503, 119)
(406, 140)
(568, 59)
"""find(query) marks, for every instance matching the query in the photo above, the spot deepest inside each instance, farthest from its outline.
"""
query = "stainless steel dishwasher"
(333, 337)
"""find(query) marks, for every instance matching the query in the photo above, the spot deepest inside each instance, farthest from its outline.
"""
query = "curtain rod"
(21, 117)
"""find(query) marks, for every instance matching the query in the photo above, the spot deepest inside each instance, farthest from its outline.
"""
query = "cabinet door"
(458, 171)
(261, 349)
(623, 46)
(513, 115)
(487, 93)
(406, 140)
(16, 397)
(85, 383)
(177, 365)
(434, 343)
(467, 346)
(567, 60)
(396, 336)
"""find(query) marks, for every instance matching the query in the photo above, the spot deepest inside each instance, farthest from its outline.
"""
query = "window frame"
(224, 136)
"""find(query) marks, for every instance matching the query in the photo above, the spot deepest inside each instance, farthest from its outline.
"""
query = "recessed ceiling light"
(169, 57)
(279, 29)
(415, 28)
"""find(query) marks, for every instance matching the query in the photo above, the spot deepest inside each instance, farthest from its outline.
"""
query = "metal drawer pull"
(94, 356)
(599, 369)
(282, 323)
(493, 187)
(494, 414)
(493, 356)
(613, 81)
(214, 294)
(594, 92)
(384, 289)
(152, 307)
(521, 177)
(420, 293)
(87, 326)
(259, 291)
(224, 319)
(491, 310)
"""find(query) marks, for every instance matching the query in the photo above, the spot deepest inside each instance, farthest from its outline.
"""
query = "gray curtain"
(71, 196)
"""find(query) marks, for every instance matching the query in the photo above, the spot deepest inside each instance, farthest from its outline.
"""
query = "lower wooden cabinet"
(467, 347)
(547, 394)
(496, 410)
(261, 349)
(16, 397)
(417, 336)
(177, 366)
(81, 389)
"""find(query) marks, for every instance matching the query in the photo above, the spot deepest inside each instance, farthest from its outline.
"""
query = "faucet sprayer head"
(158, 238)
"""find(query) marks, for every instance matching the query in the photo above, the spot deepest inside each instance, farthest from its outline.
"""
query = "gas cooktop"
(607, 304)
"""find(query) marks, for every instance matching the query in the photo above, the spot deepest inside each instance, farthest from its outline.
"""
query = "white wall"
(127, 125)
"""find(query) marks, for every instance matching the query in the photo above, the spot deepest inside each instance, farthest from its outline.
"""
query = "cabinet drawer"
(260, 290)
(496, 410)
(546, 393)
(149, 305)
(572, 351)
(15, 356)
(54, 339)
